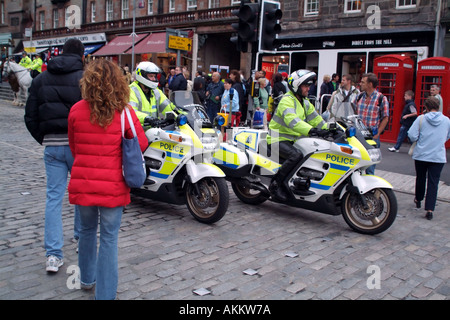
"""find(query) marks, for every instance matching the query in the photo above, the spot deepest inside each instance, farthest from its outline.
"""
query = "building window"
(150, 7)
(214, 4)
(191, 5)
(406, 4)
(352, 6)
(92, 11)
(42, 20)
(124, 9)
(55, 18)
(109, 10)
(235, 2)
(311, 7)
(171, 5)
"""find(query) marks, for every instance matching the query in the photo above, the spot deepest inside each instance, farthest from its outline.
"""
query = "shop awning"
(154, 42)
(119, 45)
(91, 48)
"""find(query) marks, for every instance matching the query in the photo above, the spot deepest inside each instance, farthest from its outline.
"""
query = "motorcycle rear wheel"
(248, 195)
(378, 217)
(207, 200)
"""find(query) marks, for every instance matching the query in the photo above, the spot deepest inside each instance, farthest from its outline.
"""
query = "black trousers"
(292, 157)
(427, 174)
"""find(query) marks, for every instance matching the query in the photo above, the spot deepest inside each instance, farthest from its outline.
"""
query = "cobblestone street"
(165, 254)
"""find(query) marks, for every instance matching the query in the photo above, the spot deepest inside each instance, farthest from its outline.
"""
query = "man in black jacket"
(52, 94)
(179, 82)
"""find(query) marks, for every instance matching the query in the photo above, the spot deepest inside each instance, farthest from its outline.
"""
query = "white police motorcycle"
(329, 179)
(179, 162)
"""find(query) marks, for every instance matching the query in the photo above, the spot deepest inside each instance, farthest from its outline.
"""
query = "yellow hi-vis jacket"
(157, 107)
(37, 64)
(26, 62)
(291, 120)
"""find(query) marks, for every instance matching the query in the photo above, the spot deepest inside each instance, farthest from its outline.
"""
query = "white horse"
(23, 77)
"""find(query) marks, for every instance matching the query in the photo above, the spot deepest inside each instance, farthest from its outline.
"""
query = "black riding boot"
(277, 190)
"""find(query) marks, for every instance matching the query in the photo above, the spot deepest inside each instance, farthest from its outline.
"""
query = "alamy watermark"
(73, 17)
(374, 280)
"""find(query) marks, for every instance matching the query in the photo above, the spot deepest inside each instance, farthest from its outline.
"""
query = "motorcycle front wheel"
(207, 200)
(375, 216)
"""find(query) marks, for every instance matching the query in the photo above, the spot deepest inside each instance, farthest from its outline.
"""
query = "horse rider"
(149, 102)
(25, 61)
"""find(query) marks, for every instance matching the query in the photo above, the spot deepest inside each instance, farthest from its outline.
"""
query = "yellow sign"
(180, 43)
(30, 49)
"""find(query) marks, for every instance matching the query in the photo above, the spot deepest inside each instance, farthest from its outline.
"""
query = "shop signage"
(85, 38)
(351, 41)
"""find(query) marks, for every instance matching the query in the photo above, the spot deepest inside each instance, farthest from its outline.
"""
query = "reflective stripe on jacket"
(292, 120)
(157, 107)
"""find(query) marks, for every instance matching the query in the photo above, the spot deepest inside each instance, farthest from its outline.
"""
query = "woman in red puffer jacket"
(96, 183)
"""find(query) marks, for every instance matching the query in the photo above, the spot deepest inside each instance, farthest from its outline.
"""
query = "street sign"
(30, 49)
(180, 43)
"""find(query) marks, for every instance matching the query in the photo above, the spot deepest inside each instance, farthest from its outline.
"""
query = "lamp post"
(133, 35)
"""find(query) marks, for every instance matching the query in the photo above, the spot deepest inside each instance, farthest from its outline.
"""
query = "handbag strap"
(130, 121)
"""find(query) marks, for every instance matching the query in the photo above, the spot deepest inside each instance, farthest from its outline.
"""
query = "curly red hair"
(105, 87)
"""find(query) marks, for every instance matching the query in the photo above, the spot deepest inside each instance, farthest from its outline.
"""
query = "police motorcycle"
(179, 161)
(329, 179)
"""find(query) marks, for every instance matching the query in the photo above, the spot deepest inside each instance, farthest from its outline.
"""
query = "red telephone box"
(433, 71)
(395, 75)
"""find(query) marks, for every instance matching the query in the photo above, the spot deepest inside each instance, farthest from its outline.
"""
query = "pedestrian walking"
(51, 97)
(431, 131)
(409, 114)
(98, 187)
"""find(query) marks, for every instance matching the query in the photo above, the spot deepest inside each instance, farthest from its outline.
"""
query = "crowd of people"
(74, 111)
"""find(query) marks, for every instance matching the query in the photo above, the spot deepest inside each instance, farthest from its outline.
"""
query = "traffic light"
(247, 28)
(270, 26)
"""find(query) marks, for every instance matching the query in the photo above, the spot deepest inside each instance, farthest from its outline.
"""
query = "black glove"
(152, 122)
(314, 132)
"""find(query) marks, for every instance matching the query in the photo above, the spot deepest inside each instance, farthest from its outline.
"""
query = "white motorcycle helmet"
(299, 77)
(143, 69)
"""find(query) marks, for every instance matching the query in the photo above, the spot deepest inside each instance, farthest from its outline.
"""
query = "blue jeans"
(371, 169)
(58, 163)
(103, 269)
(402, 134)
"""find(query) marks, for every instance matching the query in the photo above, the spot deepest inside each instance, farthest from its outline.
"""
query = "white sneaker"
(53, 264)
(392, 149)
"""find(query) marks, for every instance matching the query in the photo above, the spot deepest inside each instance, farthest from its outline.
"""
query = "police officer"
(36, 66)
(149, 102)
(25, 61)
(295, 116)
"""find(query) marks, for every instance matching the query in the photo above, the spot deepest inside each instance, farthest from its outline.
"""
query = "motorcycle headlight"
(375, 154)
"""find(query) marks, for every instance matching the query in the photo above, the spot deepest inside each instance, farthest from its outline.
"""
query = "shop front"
(53, 46)
(345, 53)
